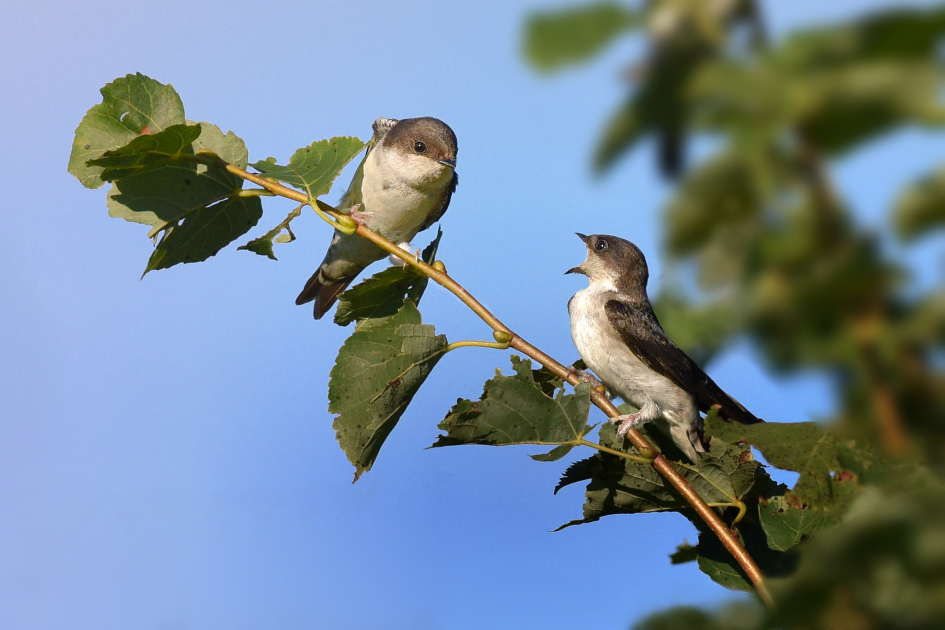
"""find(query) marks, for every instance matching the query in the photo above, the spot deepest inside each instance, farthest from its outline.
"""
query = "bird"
(619, 337)
(402, 186)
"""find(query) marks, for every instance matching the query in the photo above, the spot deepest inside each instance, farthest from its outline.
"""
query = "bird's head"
(617, 264)
(425, 148)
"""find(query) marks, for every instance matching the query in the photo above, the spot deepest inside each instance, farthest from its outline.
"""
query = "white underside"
(401, 191)
(605, 352)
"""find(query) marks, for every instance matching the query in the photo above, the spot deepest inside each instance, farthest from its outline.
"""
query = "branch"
(438, 274)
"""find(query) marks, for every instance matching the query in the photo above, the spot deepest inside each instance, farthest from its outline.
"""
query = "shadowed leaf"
(158, 181)
(803, 447)
(516, 410)
(149, 152)
(623, 486)
(785, 524)
(384, 293)
(684, 553)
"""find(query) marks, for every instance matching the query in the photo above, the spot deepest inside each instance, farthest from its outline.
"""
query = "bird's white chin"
(422, 172)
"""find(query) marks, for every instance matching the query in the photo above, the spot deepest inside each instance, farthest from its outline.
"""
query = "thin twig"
(660, 463)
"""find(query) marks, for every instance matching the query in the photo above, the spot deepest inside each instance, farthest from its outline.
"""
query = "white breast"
(605, 352)
(401, 191)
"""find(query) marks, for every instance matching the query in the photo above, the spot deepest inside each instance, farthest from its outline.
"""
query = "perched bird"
(402, 186)
(618, 336)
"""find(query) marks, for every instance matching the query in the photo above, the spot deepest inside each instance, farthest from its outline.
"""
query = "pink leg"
(360, 217)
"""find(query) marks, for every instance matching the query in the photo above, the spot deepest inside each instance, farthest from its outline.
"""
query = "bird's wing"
(641, 331)
(352, 196)
(435, 216)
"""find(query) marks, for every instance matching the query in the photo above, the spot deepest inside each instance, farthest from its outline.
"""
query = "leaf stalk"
(727, 537)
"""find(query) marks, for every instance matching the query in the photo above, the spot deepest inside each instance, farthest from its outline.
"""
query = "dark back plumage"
(632, 317)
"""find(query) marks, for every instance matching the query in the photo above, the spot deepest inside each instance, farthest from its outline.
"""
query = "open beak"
(578, 268)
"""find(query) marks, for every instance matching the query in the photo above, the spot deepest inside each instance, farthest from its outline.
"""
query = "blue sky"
(166, 454)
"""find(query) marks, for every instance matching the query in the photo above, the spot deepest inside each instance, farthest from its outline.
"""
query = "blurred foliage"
(777, 256)
(562, 38)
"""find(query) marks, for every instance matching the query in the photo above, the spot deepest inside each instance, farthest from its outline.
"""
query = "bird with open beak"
(618, 336)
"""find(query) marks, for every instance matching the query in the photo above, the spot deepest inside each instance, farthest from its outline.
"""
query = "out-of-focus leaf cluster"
(764, 245)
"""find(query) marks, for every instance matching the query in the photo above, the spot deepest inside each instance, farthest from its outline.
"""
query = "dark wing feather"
(641, 331)
(436, 214)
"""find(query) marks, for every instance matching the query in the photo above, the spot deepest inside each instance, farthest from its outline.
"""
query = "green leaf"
(921, 207)
(516, 410)
(786, 524)
(659, 106)
(724, 196)
(282, 233)
(684, 553)
(617, 485)
(315, 167)
(724, 572)
(559, 38)
(130, 106)
(206, 230)
(890, 35)
(884, 566)
(803, 447)
(157, 180)
(378, 371)
(847, 108)
(740, 615)
(228, 146)
(887, 472)
(384, 293)
(151, 151)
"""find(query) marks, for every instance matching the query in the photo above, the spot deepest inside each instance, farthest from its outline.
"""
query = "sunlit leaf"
(377, 373)
(315, 167)
(131, 106)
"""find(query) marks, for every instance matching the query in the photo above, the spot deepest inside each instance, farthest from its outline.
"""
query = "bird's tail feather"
(323, 290)
(734, 410)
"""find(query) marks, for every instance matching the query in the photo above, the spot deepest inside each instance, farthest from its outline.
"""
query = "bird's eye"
(601, 245)
(419, 147)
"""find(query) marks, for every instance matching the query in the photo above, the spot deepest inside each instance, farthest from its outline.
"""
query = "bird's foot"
(407, 248)
(360, 217)
(588, 378)
(628, 421)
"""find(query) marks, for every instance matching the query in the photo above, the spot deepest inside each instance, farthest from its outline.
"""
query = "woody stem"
(661, 464)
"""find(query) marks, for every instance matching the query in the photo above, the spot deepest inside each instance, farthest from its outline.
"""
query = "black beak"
(448, 162)
(583, 237)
